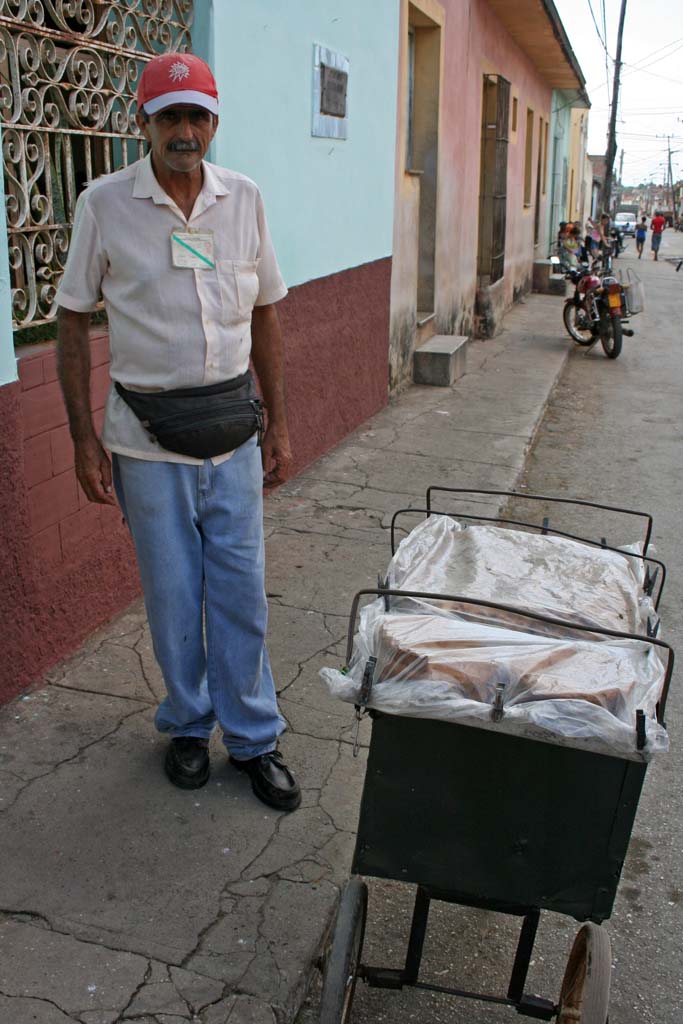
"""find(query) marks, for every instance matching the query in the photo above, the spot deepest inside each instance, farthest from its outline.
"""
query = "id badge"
(193, 249)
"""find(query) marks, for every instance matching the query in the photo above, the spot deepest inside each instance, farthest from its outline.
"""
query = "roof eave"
(536, 28)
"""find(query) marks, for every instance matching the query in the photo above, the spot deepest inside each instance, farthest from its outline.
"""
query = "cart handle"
(544, 497)
(534, 526)
(514, 610)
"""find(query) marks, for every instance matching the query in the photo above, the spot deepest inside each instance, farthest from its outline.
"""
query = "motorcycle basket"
(633, 290)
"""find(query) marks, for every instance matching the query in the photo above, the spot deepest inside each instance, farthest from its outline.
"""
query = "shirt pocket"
(239, 287)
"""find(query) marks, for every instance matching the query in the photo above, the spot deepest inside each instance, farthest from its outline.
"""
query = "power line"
(646, 110)
(646, 113)
(659, 59)
(611, 151)
(637, 135)
(643, 71)
(636, 66)
(604, 30)
(590, 7)
(659, 49)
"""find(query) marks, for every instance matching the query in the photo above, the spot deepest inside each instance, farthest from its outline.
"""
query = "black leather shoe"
(271, 780)
(187, 762)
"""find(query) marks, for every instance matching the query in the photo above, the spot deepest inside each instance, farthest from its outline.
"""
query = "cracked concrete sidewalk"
(124, 899)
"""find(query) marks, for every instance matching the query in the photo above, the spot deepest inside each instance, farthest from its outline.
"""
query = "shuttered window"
(493, 178)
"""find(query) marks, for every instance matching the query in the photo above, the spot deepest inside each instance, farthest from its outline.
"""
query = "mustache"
(183, 147)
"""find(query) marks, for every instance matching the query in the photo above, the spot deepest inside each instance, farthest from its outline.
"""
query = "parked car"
(626, 223)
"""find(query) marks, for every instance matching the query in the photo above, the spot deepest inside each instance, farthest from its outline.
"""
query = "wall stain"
(401, 346)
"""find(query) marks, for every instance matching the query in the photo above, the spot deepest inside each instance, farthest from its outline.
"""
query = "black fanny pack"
(200, 422)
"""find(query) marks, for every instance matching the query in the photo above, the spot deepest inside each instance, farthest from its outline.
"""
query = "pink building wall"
(476, 43)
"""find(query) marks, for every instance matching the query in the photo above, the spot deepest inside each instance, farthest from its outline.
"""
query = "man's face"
(179, 136)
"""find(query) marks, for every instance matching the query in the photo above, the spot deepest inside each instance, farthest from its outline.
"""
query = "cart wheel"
(584, 997)
(344, 956)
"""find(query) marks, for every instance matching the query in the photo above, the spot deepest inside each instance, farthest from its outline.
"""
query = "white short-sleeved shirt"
(169, 326)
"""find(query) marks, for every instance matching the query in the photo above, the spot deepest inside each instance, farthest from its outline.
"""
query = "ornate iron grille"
(68, 77)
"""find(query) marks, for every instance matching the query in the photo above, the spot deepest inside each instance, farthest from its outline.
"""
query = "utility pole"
(606, 197)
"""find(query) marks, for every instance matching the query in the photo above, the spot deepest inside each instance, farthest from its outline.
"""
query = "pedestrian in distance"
(572, 246)
(592, 240)
(578, 231)
(180, 250)
(641, 234)
(657, 226)
(561, 235)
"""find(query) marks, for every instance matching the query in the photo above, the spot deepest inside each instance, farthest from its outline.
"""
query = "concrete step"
(441, 361)
(545, 281)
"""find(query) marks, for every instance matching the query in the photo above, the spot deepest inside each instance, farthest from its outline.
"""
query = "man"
(181, 253)
(657, 225)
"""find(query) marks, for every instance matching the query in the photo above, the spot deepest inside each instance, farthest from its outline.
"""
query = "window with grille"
(68, 78)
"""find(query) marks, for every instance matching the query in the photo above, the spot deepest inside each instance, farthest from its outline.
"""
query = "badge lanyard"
(193, 249)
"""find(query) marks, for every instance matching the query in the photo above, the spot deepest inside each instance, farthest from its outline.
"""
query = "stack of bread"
(503, 669)
(473, 659)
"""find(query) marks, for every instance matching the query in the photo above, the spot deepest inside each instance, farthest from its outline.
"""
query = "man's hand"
(267, 354)
(276, 455)
(93, 470)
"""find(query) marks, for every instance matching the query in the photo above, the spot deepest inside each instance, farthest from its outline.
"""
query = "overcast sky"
(651, 95)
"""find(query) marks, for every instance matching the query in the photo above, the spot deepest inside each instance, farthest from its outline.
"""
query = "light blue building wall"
(8, 364)
(330, 202)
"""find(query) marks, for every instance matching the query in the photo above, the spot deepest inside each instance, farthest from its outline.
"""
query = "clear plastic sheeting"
(545, 574)
(435, 663)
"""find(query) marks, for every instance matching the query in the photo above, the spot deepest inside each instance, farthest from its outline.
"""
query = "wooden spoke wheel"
(343, 959)
(584, 997)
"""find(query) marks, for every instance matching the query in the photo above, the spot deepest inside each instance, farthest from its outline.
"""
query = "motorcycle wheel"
(611, 337)
(575, 320)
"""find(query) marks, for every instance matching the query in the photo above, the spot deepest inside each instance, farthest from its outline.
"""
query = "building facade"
(404, 154)
(308, 109)
(477, 81)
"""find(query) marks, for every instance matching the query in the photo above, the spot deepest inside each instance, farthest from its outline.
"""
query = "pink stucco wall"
(473, 42)
(477, 43)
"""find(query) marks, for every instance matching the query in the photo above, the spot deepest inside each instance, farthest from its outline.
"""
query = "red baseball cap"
(177, 78)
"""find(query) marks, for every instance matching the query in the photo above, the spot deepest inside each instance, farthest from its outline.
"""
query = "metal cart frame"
(490, 820)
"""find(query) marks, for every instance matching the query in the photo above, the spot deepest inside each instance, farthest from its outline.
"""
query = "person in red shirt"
(657, 224)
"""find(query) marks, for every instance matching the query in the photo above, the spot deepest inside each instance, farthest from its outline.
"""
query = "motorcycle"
(597, 310)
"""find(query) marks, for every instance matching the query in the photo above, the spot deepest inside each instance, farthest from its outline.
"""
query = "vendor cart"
(485, 819)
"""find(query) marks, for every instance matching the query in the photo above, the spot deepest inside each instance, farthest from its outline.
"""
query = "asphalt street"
(611, 433)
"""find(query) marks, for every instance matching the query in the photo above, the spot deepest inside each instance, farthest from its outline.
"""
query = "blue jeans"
(198, 535)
